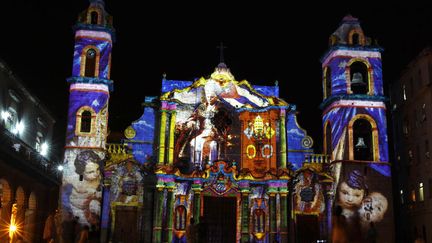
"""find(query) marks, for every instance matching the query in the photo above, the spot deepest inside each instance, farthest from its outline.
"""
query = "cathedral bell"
(360, 143)
(357, 79)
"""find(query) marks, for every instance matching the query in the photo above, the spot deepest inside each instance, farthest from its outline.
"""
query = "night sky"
(264, 43)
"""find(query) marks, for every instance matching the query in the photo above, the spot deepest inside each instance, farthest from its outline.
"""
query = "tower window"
(94, 17)
(404, 92)
(355, 39)
(359, 78)
(180, 218)
(328, 82)
(90, 63)
(363, 146)
(86, 119)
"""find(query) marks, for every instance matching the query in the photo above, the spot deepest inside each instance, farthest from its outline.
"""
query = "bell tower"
(355, 131)
(354, 117)
(86, 131)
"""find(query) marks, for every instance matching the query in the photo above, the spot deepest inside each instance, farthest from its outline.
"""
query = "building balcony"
(18, 154)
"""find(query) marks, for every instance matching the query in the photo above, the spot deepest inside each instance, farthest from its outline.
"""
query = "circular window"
(91, 53)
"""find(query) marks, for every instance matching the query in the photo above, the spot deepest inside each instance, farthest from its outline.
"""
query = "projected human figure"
(351, 193)
(86, 191)
(204, 146)
(372, 209)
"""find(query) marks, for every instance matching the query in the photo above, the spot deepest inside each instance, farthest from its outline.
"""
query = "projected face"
(373, 207)
(349, 197)
(91, 171)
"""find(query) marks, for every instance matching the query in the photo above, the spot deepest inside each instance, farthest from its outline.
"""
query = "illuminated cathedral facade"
(228, 152)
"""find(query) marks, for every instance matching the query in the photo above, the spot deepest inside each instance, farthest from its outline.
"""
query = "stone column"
(162, 137)
(171, 138)
(157, 218)
(283, 155)
(196, 187)
(169, 215)
(272, 211)
(284, 215)
(245, 217)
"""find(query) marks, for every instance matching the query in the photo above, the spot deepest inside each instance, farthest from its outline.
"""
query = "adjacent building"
(29, 181)
(411, 99)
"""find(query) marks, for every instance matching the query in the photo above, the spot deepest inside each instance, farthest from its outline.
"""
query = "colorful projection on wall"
(93, 98)
(340, 116)
(259, 147)
(126, 183)
(338, 63)
(362, 202)
(308, 196)
(82, 190)
(98, 41)
(207, 125)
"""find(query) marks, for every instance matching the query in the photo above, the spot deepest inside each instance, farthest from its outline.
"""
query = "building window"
(90, 63)
(355, 39)
(421, 192)
(94, 17)
(10, 118)
(427, 154)
(180, 218)
(86, 120)
(402, 196)
(259, 221)
(363, 147)
(39, 139)
(359, 78)
(413, 196)
(404, 92)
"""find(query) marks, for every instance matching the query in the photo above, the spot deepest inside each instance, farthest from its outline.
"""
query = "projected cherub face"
(373, 207)
(350, 197)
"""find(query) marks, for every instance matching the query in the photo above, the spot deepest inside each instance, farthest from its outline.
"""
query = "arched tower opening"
(90, 63)
(363, 144)
(94, 17)
(359, 78)
(327, 83)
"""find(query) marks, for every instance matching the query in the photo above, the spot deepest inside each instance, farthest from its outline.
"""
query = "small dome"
(222, 73)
